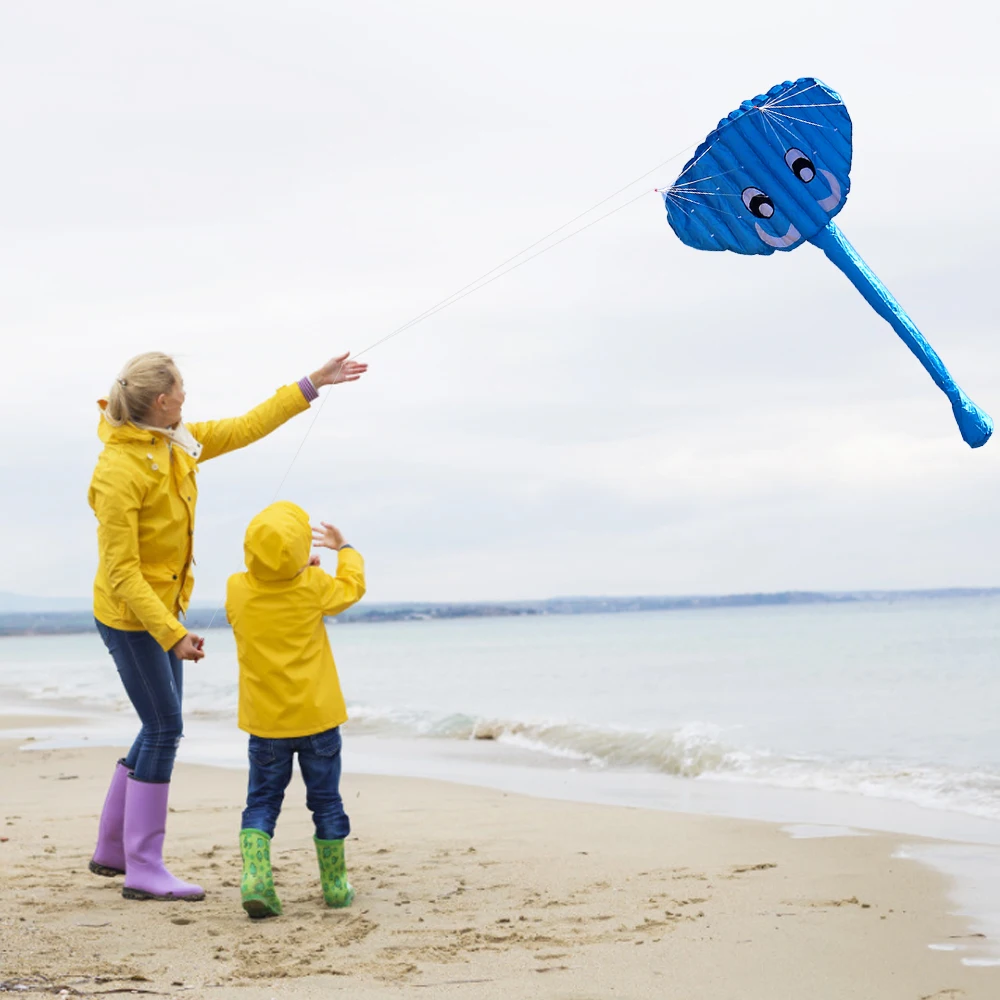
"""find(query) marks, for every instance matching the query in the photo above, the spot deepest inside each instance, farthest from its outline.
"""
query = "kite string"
(466, 290)
(479, 282)
(487, 278)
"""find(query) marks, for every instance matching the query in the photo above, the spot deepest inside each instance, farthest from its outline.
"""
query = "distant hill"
(22, 602)
(53, 620)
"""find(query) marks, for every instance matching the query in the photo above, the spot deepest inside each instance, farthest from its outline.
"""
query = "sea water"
(894, 700)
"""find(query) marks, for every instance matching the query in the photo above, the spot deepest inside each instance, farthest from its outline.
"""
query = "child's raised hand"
(314, 560)
(327, 537)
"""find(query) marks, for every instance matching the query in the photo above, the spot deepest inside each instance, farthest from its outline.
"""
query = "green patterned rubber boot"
(337, 890)
(257, 885)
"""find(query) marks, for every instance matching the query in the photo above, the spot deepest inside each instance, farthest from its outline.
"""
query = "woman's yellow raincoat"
(143, 493)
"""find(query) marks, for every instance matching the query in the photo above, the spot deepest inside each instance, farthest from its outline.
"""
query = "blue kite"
(773, 175)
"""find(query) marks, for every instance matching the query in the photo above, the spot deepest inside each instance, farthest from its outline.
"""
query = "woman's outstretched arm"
(220, 436)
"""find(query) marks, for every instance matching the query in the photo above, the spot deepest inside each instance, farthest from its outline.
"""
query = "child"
(290, 700)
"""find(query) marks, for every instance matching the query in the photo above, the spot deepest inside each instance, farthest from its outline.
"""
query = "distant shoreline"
(28, 623)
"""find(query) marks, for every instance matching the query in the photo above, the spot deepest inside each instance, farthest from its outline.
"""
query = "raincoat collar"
(178, 436)
(135, 433)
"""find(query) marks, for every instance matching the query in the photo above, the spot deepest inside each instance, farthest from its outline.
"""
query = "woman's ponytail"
(138, 384)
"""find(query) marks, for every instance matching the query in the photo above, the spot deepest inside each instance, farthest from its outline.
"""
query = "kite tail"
(976, 425)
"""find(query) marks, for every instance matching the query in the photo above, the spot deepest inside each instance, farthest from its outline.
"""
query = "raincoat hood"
(125, 434)
(278, 542)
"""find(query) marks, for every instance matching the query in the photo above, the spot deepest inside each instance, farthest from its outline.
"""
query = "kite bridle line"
(495, 273)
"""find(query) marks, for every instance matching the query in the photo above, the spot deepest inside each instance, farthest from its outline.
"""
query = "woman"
(143, 494)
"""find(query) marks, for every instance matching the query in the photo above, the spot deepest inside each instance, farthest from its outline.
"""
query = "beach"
(466, 891)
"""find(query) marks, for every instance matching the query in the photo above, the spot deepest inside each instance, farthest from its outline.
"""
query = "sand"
(465, 892)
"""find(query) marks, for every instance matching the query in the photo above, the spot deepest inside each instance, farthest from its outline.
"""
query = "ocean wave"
(975, 792)
(78, 695)
(687, 751)
(700, 751)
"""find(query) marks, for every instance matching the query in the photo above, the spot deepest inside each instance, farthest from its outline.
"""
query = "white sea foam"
(699, 750)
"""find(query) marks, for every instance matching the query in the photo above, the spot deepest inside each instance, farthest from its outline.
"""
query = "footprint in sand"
(851, 901)
(743, 869)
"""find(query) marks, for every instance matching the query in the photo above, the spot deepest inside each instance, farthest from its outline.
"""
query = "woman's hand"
(338, 370)
(327, 537)
(189, 648)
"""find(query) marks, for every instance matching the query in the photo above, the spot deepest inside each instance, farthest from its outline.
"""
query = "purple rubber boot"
(109, 855)
(146, 877)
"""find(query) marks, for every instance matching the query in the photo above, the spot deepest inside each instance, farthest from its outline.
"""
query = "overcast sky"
(256, 186)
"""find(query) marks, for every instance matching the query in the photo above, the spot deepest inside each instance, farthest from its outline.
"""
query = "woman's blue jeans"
(154, 683)
(271, 771)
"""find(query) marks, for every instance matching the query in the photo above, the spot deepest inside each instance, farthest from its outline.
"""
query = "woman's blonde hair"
(133, 392)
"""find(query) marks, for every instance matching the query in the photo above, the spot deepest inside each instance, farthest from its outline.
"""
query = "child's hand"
(327, 537)
(314, 560)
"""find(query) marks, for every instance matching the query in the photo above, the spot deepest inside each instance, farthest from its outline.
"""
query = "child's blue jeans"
(271, 771)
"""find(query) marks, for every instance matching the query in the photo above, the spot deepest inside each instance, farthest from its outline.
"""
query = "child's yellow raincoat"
(288, 680)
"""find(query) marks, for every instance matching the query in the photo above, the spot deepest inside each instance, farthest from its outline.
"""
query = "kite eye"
(800, 165)
(758, 203)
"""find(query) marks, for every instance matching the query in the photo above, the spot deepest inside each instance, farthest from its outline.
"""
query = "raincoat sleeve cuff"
(291, 399)
(348, 586)
(169, 634)
(308, 389)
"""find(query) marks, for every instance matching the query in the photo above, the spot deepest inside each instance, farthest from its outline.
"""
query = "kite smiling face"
(772, 175)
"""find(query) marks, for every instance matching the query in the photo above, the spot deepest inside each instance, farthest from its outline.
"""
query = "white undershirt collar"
(179, 436)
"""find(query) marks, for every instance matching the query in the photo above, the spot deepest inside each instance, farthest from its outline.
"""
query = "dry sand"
(465, 892)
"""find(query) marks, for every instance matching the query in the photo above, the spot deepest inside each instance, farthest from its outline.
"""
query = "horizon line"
(85, 603)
